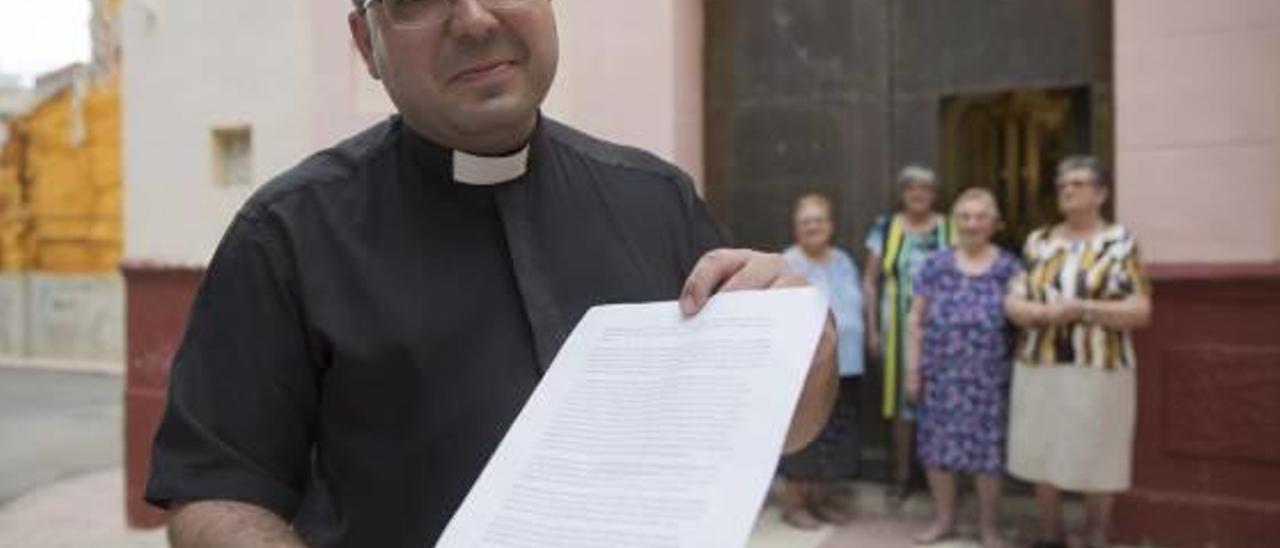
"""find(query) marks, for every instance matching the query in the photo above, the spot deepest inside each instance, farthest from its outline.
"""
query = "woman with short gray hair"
(1072, 409)
(896, 249)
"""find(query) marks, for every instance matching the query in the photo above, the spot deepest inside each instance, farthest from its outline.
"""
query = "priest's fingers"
(710, 273)
(762, 271)
(790, 278)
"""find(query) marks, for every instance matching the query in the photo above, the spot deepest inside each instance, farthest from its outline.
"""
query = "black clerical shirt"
(369, 328)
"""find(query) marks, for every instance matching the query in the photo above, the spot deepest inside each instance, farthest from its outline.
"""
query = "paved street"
(56, 426)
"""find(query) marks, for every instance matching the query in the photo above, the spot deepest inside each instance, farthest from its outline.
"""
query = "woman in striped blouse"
(1073, 403)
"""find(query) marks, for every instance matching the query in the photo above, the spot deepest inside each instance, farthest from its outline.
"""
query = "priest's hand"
(725, 270)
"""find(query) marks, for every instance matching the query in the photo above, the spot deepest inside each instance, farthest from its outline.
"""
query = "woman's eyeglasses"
(1073, 182)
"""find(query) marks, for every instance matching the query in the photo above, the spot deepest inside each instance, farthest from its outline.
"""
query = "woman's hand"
(873, 342)
(1062, 312)
(1133, 312)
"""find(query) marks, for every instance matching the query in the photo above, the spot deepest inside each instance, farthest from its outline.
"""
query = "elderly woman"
(1072, 410)
(896, 248)
(959, 351)
(809, 494)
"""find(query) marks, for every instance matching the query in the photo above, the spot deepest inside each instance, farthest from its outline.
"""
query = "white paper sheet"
(650, 430)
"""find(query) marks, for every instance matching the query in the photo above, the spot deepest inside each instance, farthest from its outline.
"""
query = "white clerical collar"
(470, 169)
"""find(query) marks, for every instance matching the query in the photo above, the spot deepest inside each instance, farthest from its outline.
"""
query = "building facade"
(1180, 97)
(1197, 151)
(763, 100)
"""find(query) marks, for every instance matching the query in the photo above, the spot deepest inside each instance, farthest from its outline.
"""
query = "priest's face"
(467, 74)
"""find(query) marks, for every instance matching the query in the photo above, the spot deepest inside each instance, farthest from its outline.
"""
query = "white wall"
(1198, 128)
(285, 67)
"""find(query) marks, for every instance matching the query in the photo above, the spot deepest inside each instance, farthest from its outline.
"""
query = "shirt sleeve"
(1012, 269)
(875, 238)
(705, 234)
(1130, 277)
(239, 422)
(1019, 284)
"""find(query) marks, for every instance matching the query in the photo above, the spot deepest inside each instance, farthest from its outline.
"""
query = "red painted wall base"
(1207, 451)
(158, 300)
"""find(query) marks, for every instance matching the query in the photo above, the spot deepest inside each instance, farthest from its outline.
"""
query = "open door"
(1011, 142)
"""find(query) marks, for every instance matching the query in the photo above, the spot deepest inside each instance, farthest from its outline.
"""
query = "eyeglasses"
(811, 219)
(419, 14)
(1073, 182)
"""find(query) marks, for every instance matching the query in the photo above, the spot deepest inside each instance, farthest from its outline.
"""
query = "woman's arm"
(1031, 315)
(1126, 315)
(1024, 313)
(871, 302)
(915, 344)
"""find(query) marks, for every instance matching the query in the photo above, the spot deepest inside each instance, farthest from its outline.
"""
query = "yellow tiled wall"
(60, 184)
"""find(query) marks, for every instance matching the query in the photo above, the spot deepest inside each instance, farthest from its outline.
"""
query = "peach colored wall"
(1198, 128)
(631, 72)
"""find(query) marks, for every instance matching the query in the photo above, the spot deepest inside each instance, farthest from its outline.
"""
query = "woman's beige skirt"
(1072, 427)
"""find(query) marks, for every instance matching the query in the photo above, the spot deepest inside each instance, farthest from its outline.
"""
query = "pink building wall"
(351, 100)
(631, 72)
(1198, 171)
(1198, 128)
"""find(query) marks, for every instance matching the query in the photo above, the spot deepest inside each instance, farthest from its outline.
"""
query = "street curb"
(108, 369)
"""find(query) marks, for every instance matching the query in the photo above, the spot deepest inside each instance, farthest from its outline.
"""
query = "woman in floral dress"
(958, 365)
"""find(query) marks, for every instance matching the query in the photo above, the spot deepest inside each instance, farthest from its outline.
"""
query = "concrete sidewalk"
(75, 513)
(876, 526)
(89, 511)
(111, 368)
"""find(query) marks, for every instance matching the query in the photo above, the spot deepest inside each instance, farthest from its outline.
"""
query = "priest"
(375, 317)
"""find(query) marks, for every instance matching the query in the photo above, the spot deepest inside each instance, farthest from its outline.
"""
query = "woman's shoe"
(832, 511)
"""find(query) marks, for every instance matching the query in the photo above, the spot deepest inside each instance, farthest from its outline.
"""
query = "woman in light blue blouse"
(811, 495)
